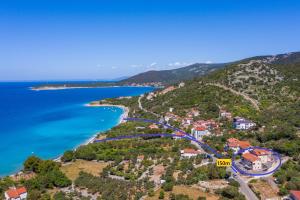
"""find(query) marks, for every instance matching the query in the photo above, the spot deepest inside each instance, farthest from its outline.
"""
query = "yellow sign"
(223, 162)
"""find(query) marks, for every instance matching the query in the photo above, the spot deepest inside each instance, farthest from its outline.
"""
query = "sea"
(46, 123)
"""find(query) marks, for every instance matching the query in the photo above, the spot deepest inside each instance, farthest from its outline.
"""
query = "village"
(247, 158)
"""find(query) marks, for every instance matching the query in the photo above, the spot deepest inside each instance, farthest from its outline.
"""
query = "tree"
(34, 195)
(161, 195)
(32, 164)
(68, 156)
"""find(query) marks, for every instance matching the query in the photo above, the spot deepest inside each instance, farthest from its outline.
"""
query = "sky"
(107, 39)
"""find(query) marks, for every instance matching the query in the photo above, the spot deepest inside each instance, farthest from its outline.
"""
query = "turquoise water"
(46, 123)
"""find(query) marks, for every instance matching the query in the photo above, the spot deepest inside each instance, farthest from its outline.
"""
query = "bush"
(68, 156)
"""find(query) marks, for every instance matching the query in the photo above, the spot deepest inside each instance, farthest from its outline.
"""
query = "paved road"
(245, 189)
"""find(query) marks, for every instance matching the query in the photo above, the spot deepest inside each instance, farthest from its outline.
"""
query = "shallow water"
(46, 123)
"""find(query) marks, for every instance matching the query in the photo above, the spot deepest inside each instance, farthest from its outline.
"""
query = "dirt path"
(143, 109)
(252, 101)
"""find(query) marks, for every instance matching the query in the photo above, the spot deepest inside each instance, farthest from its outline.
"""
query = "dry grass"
(72, 169)
(192, 192)
(265, 190)
(158, 171)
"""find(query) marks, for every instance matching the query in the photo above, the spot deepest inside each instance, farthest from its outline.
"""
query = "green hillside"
(174, 75)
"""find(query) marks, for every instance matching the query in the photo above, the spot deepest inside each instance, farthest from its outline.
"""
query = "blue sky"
(56, 40)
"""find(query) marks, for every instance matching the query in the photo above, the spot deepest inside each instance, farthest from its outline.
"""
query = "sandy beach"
(124, 108)
(93, 138)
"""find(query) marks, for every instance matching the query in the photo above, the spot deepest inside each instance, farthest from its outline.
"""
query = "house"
(199, 131)
(193, 113)
(153, 126)
(210, 124)
(187, 121)
(178, 135)
(150, 96)
(140, 158)
(168, 89)
(170, 116)
(171, 109)
(23, 176)
(236, 145)
(225, 114)
(182, 84)
(16, 193)
(251, 161)
(242, 124)
(295, 194)
(262, 154)
(188, 153)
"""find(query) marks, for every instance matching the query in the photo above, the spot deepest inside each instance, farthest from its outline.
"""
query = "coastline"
(93, 138)
(81, 87)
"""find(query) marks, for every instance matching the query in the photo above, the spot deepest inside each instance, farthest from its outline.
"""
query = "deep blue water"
(46, 123)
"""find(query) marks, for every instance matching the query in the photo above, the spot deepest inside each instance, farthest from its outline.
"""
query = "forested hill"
(152, 78)
(173, 75)
(265, 89)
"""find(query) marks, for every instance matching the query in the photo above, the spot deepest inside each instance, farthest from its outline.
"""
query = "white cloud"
(114, 67)
(178, 64)
(208, 62)
(152, 64)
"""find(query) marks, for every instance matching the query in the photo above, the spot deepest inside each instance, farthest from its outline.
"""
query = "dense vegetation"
(272, 82)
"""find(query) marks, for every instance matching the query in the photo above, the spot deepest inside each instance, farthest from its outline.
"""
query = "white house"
(188, 153)
(178, 135)
(16, 193)
(242, 124)
(263, 155)
(199, 131)
(251, 161)
(235, 145)
(225, 114)
(187, 121)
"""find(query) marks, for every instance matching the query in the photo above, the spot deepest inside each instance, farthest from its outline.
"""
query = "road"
(252, 101)
(245, 189)
(143, 109)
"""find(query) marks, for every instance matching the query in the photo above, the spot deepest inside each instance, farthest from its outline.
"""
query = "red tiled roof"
(244, 144)
(296, 194)
(15, 193)
(190, 151)
(233, 142)
(179, 133)
(250, 157)
(200, 128)
(21, 190)
(260, 152)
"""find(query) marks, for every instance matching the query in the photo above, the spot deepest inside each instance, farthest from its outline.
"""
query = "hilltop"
(149, 78)
(172, 76)
(264, 90)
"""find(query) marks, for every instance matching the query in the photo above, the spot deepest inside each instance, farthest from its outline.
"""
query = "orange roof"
(153, 126)
(200, 128)
(233, 142)
(244, 144)
(179, 133)
(21, 190)
(141, 157)
(250, 157)
(15, 193)
(296, 194)
(261, 152)
(190, 151)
